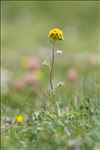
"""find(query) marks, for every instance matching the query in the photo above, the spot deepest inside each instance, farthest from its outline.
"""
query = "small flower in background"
(31, 79)
(72, 74)
(8, 120)
(20, 119)
(34, 64)
(30, 63)
(38, 73)
(59, 52)
(18, 86)
(56, 34)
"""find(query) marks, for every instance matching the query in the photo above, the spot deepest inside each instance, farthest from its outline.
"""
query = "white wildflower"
(59, 52)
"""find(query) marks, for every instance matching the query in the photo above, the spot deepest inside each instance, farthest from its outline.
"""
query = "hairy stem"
(52, 66)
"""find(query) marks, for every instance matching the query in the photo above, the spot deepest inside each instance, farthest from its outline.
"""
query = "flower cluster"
(56, 34)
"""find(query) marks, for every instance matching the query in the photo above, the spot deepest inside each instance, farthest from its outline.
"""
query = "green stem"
(52, 66)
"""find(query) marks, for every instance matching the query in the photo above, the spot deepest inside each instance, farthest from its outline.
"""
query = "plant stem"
(52, 66)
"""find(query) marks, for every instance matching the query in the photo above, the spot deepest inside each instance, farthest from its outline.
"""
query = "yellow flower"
(56, 34)
(19, 119)
(38, 74)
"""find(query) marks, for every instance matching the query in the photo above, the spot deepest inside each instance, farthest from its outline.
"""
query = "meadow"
(34, 117)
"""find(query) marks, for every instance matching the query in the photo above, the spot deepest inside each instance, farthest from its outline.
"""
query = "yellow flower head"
(19, 119)
(56, 34)
(38, 73)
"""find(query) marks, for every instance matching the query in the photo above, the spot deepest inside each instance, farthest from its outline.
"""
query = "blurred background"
(25, 44)
(25, 26)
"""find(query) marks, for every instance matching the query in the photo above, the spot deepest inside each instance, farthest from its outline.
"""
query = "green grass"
(56, 128)
(68, 119)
